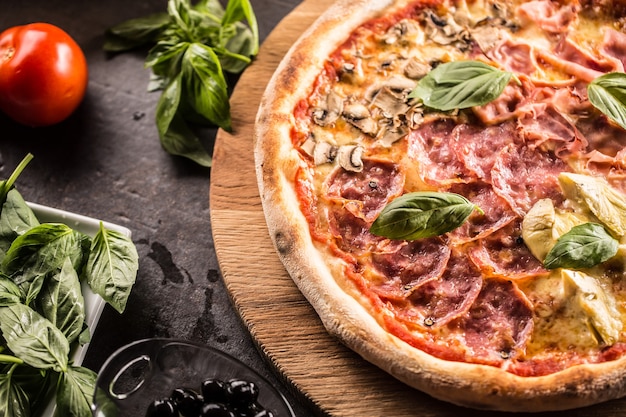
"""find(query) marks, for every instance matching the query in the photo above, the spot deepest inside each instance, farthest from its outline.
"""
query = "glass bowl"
(150, 369)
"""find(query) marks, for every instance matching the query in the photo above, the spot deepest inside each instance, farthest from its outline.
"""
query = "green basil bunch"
(192, 47)
(42, 308)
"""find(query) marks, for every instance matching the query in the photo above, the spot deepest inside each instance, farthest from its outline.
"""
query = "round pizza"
(445, 182)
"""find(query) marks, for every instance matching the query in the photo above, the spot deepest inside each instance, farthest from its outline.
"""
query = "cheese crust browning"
(473, 316)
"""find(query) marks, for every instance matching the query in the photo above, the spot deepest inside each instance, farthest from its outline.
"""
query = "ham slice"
(550, 16)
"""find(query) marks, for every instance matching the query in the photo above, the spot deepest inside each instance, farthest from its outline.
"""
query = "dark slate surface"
(106, 162)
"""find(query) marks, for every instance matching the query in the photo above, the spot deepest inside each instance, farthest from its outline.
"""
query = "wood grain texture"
(280, 319)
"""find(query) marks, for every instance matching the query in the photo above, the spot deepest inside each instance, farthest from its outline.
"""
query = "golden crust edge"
(465, 384)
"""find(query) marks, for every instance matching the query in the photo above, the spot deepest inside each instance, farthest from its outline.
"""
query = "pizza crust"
(342, 313)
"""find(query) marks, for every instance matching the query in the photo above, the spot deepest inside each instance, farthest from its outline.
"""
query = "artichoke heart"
(543, 225)
(537, 228)
(606, 203)
(598, 305)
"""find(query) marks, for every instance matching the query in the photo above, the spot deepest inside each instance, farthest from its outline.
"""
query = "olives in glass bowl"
(166, 377)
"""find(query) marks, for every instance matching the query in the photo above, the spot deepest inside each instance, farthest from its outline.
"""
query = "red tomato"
(43, 74)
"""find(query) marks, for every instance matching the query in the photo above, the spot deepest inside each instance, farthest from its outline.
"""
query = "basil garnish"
(193, 46)
(608, 94)
(584, 246)
(461, 84)
(422, 214)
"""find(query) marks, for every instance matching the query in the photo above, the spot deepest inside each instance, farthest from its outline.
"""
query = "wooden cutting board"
(286, 328)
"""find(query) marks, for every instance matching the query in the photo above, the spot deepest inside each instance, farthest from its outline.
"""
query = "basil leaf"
(422, 214)
(33, 338)
(222, 43)
(16, 219)
(42, 250)
(75, 392)
(165, 57)
(210, 7)
(9, 292)
(13, 399)
(135, 32)
(584, 246)
(61, 301)
(205, 86)
(461, 84)
(175, 135)
(608, 94)
(236, 11)
(112, 267)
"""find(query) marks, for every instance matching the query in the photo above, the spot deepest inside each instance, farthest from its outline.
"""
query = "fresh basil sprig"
(608, 94)
(42, 314)
(192, 47)
(460, 85)
(422, 214)
(584, 246)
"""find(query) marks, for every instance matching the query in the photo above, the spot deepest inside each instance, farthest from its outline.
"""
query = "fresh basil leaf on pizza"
(445, 182)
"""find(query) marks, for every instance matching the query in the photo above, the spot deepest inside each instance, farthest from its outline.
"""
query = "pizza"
(445, 182)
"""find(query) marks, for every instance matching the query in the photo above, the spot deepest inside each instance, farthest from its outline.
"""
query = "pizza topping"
(365, 193)
(407, 265)
(429, 146)
(598, 305)
(584, 246)
(422, 214)
(445, 30)
(437, 302)
(524, 176)
(329, 111)
(495, 212)
(461, 84)
(548, 15)
(350, 158)
(503, 253)
(499, 323)
(607, 94)
(594, 193)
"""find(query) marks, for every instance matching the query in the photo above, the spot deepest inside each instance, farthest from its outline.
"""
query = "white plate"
(94, 304)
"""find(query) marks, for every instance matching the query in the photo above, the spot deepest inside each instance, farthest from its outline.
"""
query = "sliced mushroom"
(359, 116)
(349, 157)
(444, 30)
(416, 69)
(389, 134)
(400, 32)
(487, 36)
(324, 153)
(390, 102)
(415, 116)
(329, 112)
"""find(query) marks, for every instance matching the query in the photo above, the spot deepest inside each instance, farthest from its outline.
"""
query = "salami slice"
(365, 193)
(474, 145)
(498, 325)
(504, 253)
(439, 301)
(408, 265)
(437, 163)
(495, 212)
(524, 175)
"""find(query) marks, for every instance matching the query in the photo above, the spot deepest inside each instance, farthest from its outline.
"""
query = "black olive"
(214, 390)
(247, 410)
(188, 401)
(162, 408)
(216, 410)
(242, 392)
